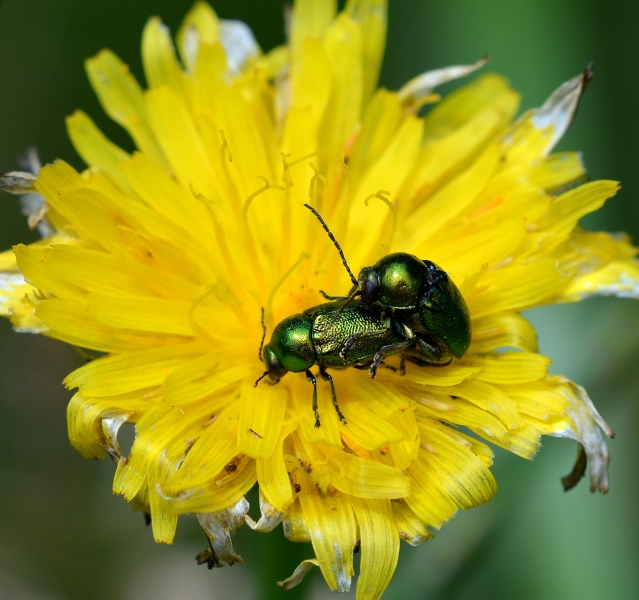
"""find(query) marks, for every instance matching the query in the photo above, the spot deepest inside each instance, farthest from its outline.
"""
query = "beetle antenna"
(330, 235)
(262, 376)
(259, 356)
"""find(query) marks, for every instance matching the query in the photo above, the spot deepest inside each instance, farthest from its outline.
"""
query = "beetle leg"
(383, 351)
(435, 355)
(332, 297)
(326, 377)
(409, 335)
(350, 342)
(311, 379)
(329, 297)
(361, 367)
(366, 366)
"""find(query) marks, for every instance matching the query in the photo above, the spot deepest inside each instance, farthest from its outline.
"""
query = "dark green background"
(64, 536)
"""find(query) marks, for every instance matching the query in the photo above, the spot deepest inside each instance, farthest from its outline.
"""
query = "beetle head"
(274, 368)
(368, 284)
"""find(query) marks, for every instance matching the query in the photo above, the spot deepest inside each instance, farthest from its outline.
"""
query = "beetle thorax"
(401, 278)
(291, 343)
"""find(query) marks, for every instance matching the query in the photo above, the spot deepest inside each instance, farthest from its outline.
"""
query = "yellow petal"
(465, 103)
(380, 546)
(94, 148)
(568, 208)
(111, 375)
(251, 156)
(98, 218)
(142, 314)
(343, 43)
(204, 376)
(503, 330)
(310, 19)
(85, 420)
(72, 324)
(86, 270)
(311, 84)
(180, 140)
(431, 505)
(122, 99)
(467, 252)
(509, 367)
(409, 527)
(619, 278)
(261, 414)
(273, 477)
(200, 25)
(366, 427)
(365, 478)
(454, 469)
(387, 174)
(448, 202)
(382, 117)
(332, 529)
(404, 451)
(158, 56)
(371, 14)
(310, 461)
(451, 375)
(210, 74)
(558, 171)
(163, 523)
(525, 441)
(213, 451)
(446, 156)
(213, 497)
(458, 412)
(84, 427)
(32, 261)
(163, 194)
(486, 396)
(162, 429)
(516, 288)
(294, 525)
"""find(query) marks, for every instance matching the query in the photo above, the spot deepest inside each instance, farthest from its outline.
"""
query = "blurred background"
(63, 535)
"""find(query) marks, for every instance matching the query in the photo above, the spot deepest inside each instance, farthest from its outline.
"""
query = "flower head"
(168, 262)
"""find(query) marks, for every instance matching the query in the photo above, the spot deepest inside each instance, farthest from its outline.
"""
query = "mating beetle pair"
(407, 306)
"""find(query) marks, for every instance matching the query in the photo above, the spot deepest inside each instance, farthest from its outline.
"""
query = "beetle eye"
(368, 293)
(432, 272)
(369, 285)
(274, 367)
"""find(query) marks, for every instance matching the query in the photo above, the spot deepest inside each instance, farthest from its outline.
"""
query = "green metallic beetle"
(408, 306)
(418, 291)
(338, 336)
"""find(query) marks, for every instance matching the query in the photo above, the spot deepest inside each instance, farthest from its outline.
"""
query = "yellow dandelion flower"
(164, 259)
